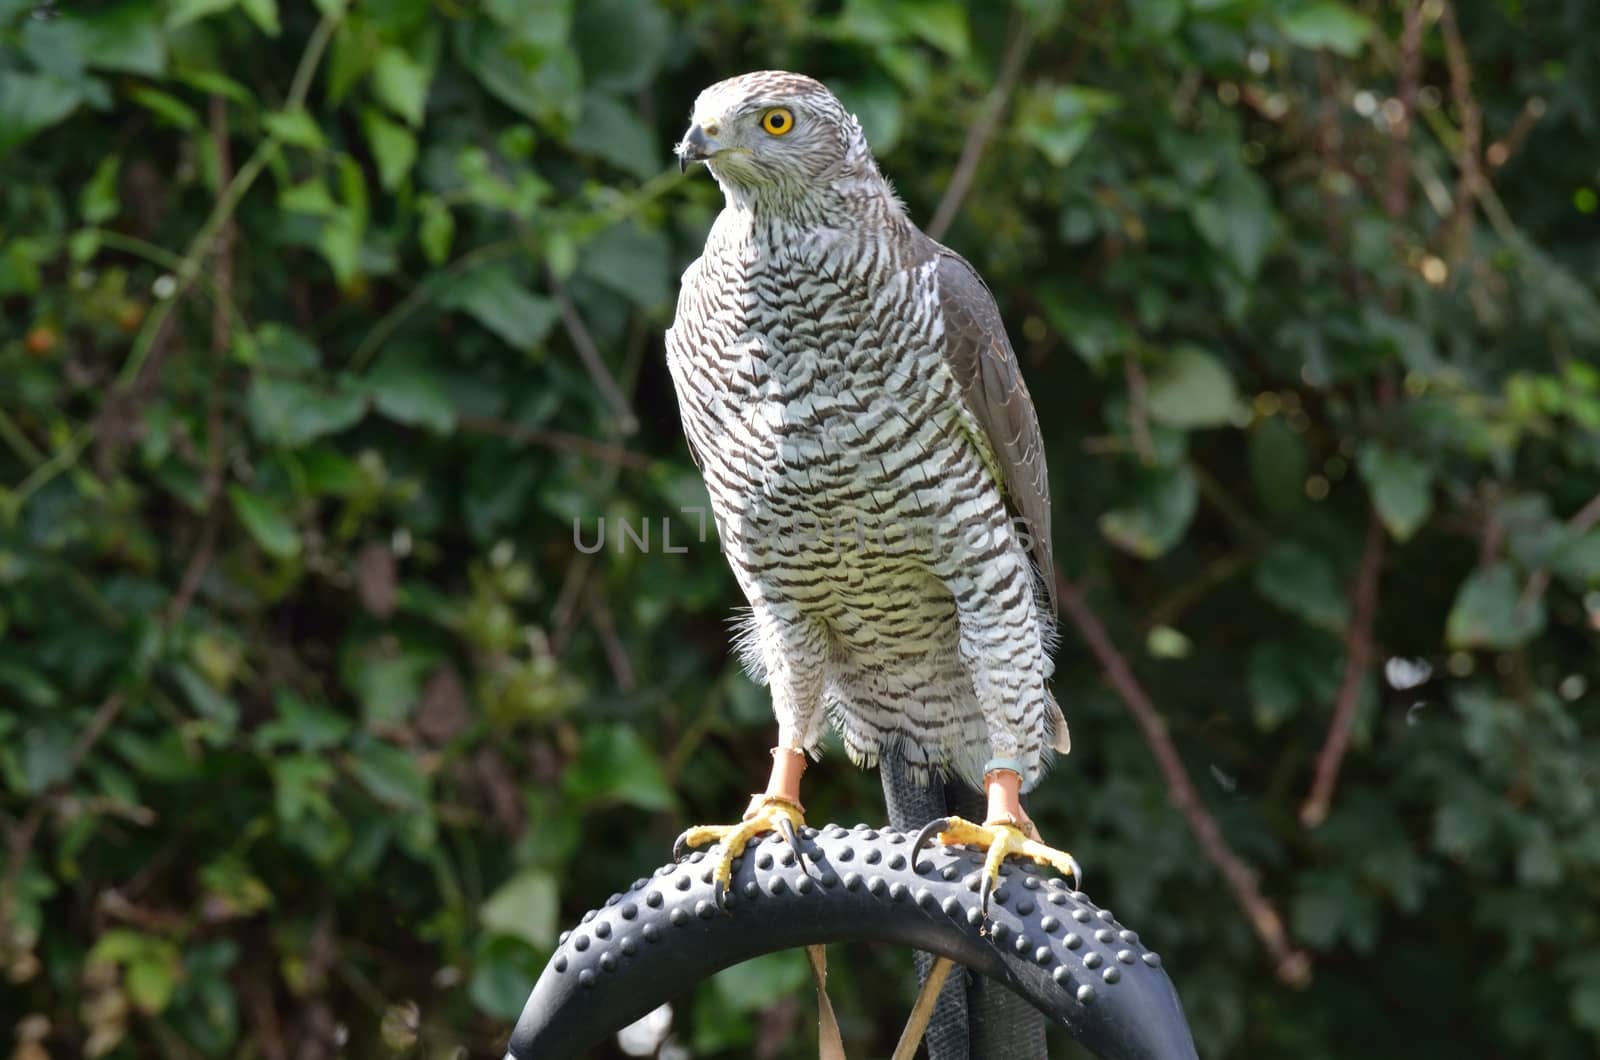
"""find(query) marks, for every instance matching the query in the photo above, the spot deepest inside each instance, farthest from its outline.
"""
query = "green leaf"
(183, 12)
(525, 907)
(598, 27)
(404, 389)
(302, 724)
(762, 982)
(1539, 862)
(632, 261)
(1164, 642)
(400, 83)
(126, 38)
(503, 974)
(295, 127)
(436, 230)
(300, 783)
(1059, 121)
(99, 201)
(389, 688)
(543, 23)
(615, 765)
(1156, 18)
(230, 881)
(1278, 464)
(326, 472)
(494, 298)
(279, 347)
(1191, 388)
(877, 103)
(1163, 505)
(1327, 908)
(46, 756)
(1489, 611)
(1401, 489)
(308, 197)
(272, 529)
(213, 83)
(1275, 691)
(1409, 339)
(169, 109)
(32, 102)
(390, 773)
(1584, 1000)
(27, 683)
(1097, 334)
(151, 966)
(151, 982)
(340, 244)
(264, 13)
(83, 244)
(52, 47)
(393, 147)
(291, 413)
(1326, 24)
(613, 133)
(208, 700)
(1303, 582)
(546, 84)
(941, 23)
(1237, 220)
(1577, 559)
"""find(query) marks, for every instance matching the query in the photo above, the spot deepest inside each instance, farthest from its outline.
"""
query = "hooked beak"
(696, 147)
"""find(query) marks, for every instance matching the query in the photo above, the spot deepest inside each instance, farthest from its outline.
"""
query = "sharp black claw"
(924, 837)
(984, 890)
(719, 894)
(681, 847)
(786, 830)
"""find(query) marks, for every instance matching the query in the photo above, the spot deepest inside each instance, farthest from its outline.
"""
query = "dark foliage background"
(322, 324)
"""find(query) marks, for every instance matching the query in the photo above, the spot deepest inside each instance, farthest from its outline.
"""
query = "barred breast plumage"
(849, 395)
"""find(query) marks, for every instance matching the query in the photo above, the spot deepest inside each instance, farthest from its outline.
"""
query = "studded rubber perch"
(1047, 942)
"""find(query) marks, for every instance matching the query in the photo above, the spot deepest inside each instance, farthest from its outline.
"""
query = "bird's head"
(774, 132)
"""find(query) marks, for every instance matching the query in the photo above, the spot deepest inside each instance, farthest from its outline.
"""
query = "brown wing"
(980, 355)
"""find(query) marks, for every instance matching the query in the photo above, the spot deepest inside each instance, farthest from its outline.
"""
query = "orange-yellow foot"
(767, 813)
(1001, 839)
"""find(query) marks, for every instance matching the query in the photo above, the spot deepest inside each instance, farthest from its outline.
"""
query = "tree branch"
(982, 127)
(1539, 580)
(1468, 163)
(589, 354)
(565, 441)
(186, 274)
(1500, 152)
(222, 316)
(1138, 409)
(1364, 608)
(1292, 965)
(1410, 72)
(1358, 657)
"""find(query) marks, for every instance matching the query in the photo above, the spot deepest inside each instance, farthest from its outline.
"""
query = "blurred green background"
(322, 325)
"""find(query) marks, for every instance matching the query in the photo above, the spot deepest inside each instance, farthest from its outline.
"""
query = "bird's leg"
(1007, 832)
(1004, 789)
(776, 809)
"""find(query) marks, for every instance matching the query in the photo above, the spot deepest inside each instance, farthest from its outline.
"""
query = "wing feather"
(980, 355)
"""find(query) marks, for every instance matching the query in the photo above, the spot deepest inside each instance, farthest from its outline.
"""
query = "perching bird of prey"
(876, 469)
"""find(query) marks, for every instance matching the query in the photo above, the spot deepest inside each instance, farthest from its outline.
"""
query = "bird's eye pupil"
(777, 121)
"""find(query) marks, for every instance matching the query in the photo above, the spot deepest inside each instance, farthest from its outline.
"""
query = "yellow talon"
(1000, 839)
(767, 813)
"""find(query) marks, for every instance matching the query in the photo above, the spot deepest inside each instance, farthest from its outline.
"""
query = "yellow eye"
(778, 121)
